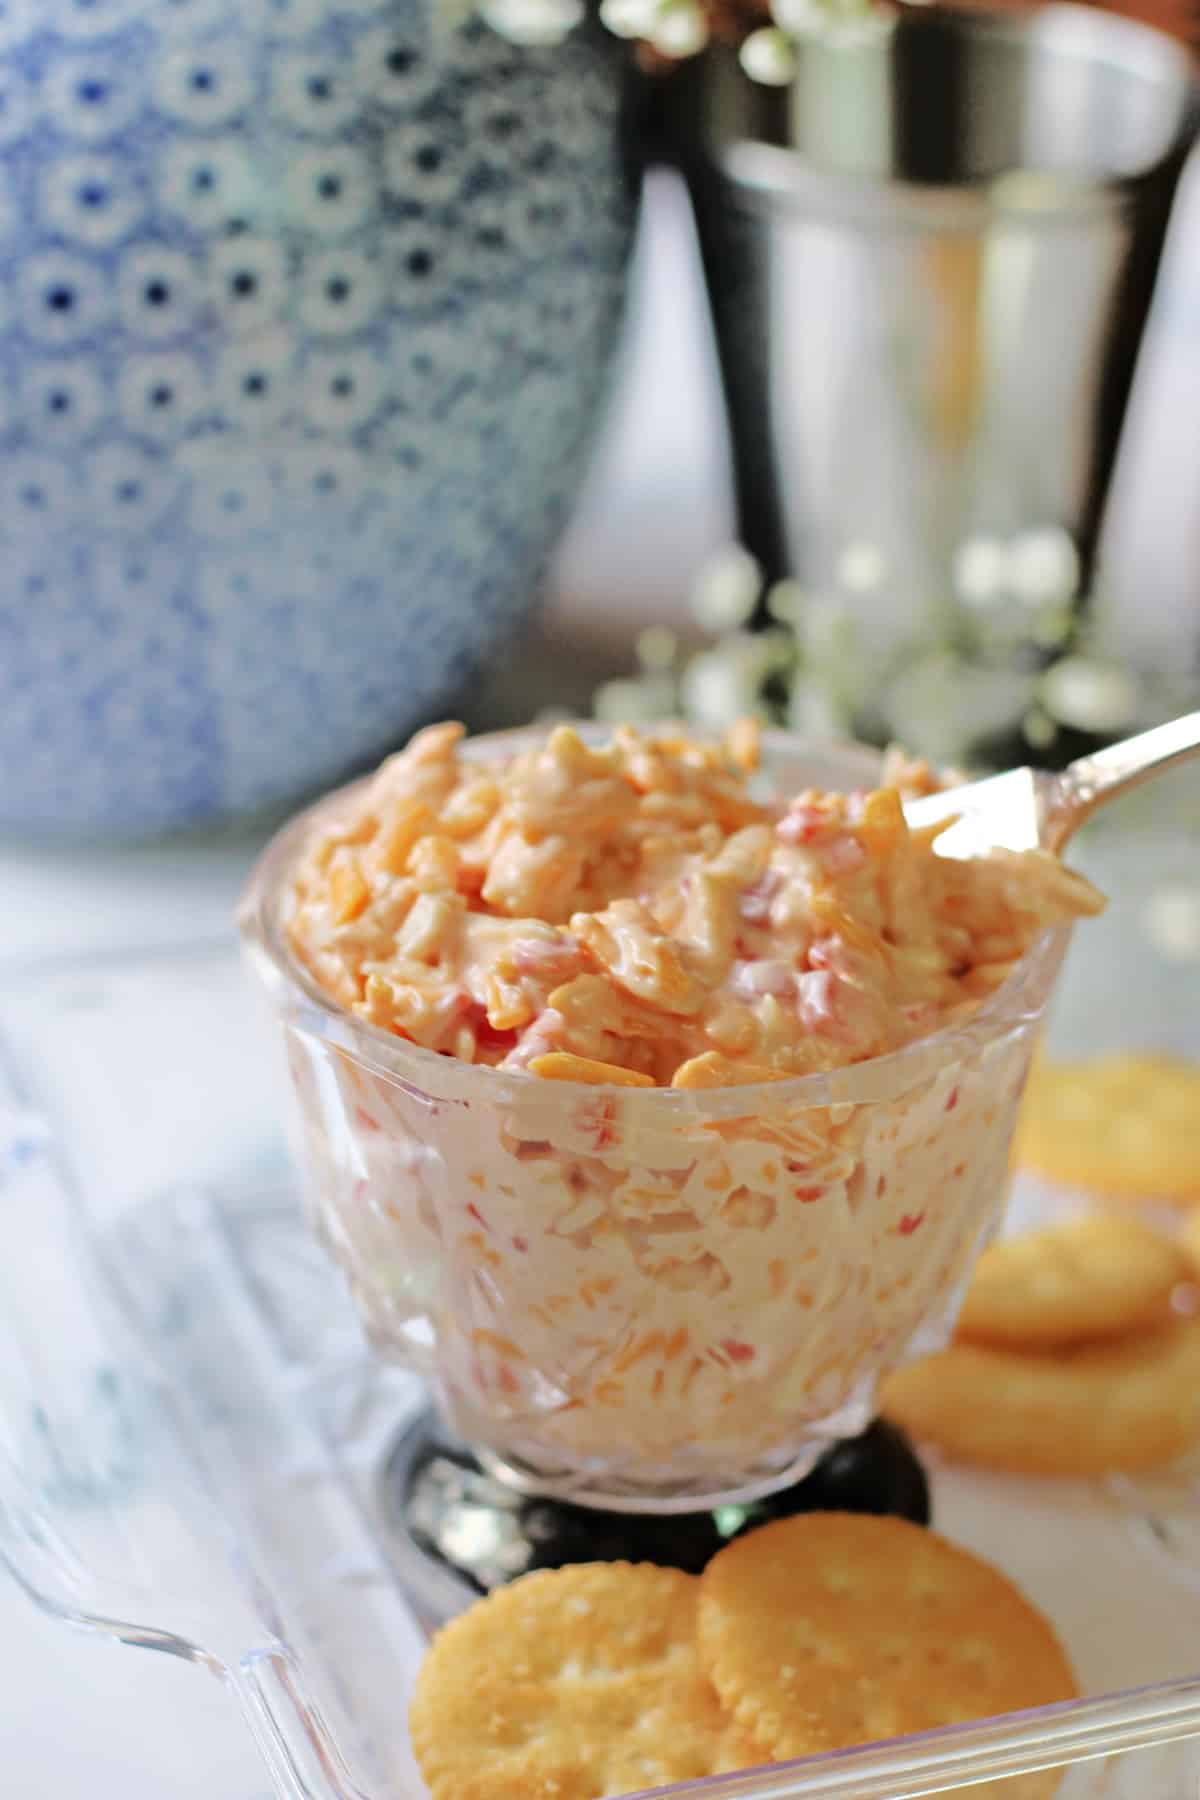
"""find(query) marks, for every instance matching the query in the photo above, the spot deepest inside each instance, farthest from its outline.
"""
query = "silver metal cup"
(931, 260)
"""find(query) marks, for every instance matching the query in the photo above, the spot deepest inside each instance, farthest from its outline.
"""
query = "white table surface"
(82, 1718)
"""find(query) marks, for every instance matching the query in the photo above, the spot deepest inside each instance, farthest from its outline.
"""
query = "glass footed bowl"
(650, 1299)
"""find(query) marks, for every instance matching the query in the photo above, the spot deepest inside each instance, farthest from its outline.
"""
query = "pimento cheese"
(670, 1286)
(634, 915)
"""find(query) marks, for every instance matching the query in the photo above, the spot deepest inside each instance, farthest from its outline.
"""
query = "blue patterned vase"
(306, 307)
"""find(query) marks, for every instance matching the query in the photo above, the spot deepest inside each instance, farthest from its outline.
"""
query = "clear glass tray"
(192, 1429)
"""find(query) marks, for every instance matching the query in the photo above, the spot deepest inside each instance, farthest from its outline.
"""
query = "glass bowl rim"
(1018, 1001)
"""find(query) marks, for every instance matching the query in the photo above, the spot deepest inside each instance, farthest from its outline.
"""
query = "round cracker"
(1126, 1126)
(1094, 1277)
(1092, 1410)
(832, 1629)
(572, 1683)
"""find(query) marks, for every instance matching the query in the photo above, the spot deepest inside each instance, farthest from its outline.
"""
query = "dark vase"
(930, 261)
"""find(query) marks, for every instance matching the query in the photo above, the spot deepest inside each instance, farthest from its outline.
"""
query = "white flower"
(340, 292)
(680, 29)
(90, 199)
(1089, 694)
(256, 382)
(767, 57)
(786, 601)
(861, 568)
(800, 18)
(816, 711)
(95, 18)
(853, 21)
(34, 487)
(980, 571)
(91, 97)
(62, 401)
(157, 292)
(63, 298)
(330, 191)
(312, 93)
(724, 683)
(342, 389)
(247, 281)
(629, 18)
(1171, 921)
(656, 648)
(209, 183)
(204, 86)
(1043, 566)
(1038, 729)
(1052, 625)
(827, 631)
(16, 106)
(635, 702)
(532, 22)
(127, 488)
(160, 394)
(939, 704)
(726, 591)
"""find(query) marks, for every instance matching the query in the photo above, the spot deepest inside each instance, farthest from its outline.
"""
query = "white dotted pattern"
(278, 292)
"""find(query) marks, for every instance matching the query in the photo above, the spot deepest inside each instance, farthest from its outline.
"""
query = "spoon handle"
(1088, 783)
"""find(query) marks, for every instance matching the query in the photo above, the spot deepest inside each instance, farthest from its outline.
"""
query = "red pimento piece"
(477, 1215)
(598, 1117)
(803, 823)
(754, 903)
(487, 1036)
(806, 1195)
(737, 1351)
(952, 1100)
(910, 1223)
(844, 856)
(521, 1245)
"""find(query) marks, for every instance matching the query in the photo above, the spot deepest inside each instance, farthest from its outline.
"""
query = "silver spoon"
(1025, 809)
